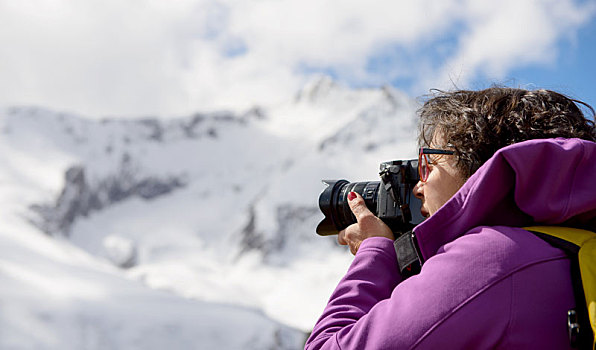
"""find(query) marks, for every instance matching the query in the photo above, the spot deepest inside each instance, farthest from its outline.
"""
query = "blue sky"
(170, 58)
(574, 72)
(571, 71)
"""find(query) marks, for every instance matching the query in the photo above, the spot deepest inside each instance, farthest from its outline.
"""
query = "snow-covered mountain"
(195, 232)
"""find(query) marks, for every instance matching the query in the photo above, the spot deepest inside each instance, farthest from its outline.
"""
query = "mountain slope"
(189, 212)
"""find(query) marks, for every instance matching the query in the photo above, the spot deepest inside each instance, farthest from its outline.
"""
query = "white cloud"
(510, 34)
(171, 57)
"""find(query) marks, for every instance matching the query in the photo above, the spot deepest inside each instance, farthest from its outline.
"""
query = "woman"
(491, 162)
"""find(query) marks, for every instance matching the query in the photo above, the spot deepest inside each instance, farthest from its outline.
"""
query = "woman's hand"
(368, 225)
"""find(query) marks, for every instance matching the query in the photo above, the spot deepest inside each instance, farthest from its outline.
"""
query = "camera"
(391, 199)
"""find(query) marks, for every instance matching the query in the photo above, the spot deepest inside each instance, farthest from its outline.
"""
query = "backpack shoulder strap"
(573, 235)
(583, 254)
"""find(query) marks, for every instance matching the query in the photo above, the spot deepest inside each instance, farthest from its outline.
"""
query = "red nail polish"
(351, 196)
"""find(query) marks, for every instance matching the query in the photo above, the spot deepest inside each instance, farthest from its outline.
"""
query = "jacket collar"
(523, 184)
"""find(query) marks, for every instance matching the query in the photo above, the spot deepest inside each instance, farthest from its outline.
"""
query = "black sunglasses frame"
(435, 151)
(423, 152)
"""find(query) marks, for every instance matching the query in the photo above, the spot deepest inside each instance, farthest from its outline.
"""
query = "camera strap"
(408, 259)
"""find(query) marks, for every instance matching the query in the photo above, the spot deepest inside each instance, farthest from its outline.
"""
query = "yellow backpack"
(580, 245)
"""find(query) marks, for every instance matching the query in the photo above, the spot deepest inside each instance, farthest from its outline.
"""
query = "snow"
(199, 231)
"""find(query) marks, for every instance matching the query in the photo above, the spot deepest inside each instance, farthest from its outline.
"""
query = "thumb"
(369, 225)
(357, 205)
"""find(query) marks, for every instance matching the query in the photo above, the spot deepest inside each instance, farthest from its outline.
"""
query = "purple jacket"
(485, 282)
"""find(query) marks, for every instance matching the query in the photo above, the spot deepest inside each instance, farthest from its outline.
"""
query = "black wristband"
(408, 261)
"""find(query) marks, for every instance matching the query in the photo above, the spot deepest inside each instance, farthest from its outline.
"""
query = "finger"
(349, 237)
(354, 248)
(341, 237)
(344, 238)
(358, 206)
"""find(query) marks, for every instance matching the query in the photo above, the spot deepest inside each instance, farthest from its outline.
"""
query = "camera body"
(391, 199)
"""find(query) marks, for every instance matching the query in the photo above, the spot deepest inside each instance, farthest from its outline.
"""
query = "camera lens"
(333, 202)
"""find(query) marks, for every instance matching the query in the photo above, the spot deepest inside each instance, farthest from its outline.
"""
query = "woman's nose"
(417, 191)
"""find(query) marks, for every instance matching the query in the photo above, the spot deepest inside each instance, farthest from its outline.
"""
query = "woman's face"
(444, 179)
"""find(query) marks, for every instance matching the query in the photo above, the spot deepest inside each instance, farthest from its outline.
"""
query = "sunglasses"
(423, 162)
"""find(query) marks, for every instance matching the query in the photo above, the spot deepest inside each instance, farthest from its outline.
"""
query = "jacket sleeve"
(456, 299)
(370, 279)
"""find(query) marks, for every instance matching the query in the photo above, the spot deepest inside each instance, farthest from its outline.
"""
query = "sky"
(166, 58)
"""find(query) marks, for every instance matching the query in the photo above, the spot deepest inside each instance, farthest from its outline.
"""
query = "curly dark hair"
(478, 123)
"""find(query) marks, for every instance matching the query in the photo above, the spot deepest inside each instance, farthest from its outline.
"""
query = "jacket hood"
(546, 182)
